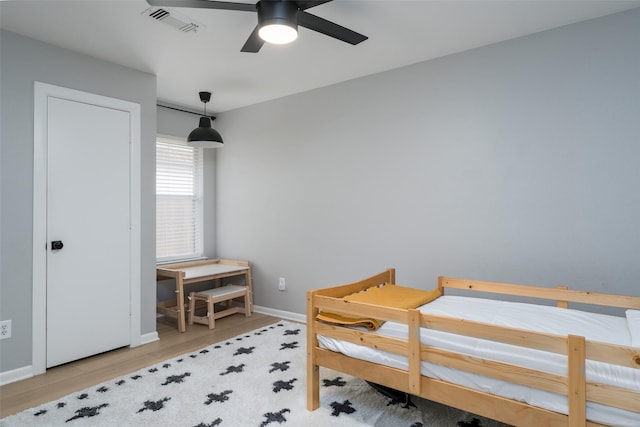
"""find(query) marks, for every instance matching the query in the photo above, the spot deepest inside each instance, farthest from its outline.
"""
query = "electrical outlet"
(282, 284)
(5, 329)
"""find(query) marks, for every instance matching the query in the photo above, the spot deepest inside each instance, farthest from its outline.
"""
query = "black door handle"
(56, 245)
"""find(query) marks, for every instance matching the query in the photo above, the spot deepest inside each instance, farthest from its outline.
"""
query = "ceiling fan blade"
(254, 42)
(329, 28)
(204, 4)
(304, 5)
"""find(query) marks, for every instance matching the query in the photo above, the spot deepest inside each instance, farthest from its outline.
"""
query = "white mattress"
(595, 327)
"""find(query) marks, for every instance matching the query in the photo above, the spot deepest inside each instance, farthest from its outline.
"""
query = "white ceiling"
(400, 33)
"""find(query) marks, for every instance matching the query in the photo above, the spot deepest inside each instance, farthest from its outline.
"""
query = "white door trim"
(42, 91)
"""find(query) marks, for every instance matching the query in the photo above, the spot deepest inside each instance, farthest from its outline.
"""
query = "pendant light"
(204, 136)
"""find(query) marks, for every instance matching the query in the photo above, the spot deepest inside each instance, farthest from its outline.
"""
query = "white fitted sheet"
(594, 327)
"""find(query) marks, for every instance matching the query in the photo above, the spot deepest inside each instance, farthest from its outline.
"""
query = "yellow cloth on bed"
(393, 296)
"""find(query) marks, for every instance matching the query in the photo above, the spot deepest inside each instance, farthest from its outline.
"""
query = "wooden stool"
(213, 296)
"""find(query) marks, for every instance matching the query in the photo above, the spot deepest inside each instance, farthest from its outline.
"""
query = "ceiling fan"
(278, 20)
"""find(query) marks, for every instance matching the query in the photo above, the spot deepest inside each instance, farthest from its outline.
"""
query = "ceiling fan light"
(278, 21)
(278, 33)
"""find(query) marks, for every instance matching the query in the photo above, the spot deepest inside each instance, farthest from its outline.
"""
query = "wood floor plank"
(62, 380)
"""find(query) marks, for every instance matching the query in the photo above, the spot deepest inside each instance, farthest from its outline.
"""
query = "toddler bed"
(518, 363)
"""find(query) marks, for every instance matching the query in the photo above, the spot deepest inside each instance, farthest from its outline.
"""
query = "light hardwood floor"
(62, 380)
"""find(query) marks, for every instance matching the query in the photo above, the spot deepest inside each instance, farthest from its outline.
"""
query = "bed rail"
(558, 294)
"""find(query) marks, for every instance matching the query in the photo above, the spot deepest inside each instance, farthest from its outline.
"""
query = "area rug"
(255, 379)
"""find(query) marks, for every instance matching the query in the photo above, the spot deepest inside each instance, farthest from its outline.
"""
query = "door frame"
(42, 92)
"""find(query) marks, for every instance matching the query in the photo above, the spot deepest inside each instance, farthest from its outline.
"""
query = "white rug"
(256, 379)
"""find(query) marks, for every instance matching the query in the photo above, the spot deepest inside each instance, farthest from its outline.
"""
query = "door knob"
(56, 245)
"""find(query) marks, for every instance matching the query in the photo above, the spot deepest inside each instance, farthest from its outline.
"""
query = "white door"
(88, 211)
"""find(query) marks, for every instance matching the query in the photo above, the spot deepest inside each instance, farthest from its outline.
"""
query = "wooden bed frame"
(513, 412)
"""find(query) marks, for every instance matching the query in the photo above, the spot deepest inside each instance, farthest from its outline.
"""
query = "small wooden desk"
(199, 271)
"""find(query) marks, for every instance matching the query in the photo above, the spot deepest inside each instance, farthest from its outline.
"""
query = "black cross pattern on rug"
(102, 389)
(40, 412)
(337, 382)
(216, 422)
(279, 366)
(83, 396)
(176, 378)
(61, 405)
(153, 370)
(277, 417)
(283, 385)
(136, 377)
(87, 412)
(235, 369)
(154, 406)
(218, 397)
(292, 332)
(342, 408)
(244, 350)
(289, 345)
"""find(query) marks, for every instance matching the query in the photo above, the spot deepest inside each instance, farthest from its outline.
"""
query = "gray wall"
(514, 162)
(24, 61)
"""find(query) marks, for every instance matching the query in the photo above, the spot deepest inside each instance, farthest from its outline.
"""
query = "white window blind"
(178, 201)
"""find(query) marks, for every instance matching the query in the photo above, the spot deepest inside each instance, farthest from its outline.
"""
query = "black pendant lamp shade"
(204, 135)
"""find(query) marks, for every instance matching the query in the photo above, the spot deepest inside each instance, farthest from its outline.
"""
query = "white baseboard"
(26, 372)
(287, 315)
(147, 338)
(14, 375)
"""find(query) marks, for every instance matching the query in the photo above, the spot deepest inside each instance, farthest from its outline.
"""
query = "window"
(178, 201)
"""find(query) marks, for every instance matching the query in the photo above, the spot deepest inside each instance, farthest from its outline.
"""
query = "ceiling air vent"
(175, 19)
